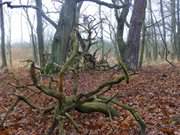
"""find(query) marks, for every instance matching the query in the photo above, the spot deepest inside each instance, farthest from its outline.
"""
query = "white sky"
(19, 23)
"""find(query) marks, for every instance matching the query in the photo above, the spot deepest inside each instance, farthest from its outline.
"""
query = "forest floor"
(154, 92)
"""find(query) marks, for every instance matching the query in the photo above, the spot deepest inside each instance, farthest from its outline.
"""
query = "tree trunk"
(173, 24)
(178, 30)
(33, 38)
(3, 49)
(142, 45)
(78, 8)
(61, 45)
(101, 31)
(121, 19)
(163, 26)
(133, 42)
(153, 31)
(40, 33)
(9, 47)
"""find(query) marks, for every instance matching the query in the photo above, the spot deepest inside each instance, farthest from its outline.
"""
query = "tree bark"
(33, 37)
(3, 48)
(133, 42)
(9, 47)
(153, 32)
(178, 30)
(61, 45)
(40, 33)
(121, 20)
(142, 45)
(101, 32)
(163, 25)
(173, 24)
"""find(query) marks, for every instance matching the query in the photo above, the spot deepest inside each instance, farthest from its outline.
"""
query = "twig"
(109, 100)
(135, 114)
(45, 90)
(72, 121)
(25, 100)
(54, 125)
(164, 42)
(9, 111)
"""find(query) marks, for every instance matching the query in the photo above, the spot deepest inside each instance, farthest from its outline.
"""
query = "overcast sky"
(19, 22)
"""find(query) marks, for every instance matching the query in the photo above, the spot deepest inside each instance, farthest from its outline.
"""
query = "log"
(95, 106)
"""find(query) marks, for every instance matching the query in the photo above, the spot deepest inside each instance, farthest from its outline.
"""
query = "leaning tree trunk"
(40, 33)
(32, 37)
(3, 50)
(133, 42)
(61, 45)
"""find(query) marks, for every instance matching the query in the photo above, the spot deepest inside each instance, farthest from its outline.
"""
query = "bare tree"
(101, 31)
(61, 45)
(32, 34)
(142, 47)
(173, 25)
(3, 50)
(61, 42)
(133, 42)
(121, 21)
(9, 47)
(40, 33)
(88, 102)
(154, 33)
(163, 24)
(178, 29)
(33, 37)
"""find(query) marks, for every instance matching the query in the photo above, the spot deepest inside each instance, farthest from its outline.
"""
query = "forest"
(90, 67)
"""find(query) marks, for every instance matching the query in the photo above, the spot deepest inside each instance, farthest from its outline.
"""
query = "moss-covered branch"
(134, 113)
(102, 86)
(42, 88)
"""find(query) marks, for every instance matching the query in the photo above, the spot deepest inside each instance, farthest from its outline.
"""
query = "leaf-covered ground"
(153, 91)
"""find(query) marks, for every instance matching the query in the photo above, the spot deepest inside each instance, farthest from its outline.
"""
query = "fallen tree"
(92, 101)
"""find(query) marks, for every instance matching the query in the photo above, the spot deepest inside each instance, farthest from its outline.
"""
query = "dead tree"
(60, 45)
(87, 36)
(32, 35)
(92, 101)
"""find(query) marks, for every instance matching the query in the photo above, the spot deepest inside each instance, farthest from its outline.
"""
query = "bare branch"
(72, 121)
(9, 111)
(33, 7)
(109, 5)
(108, 84)
(45, 90)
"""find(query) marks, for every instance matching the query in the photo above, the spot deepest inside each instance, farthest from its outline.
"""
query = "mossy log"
(93, 105)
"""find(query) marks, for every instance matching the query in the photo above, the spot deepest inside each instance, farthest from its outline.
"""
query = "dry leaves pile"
(154, 92)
